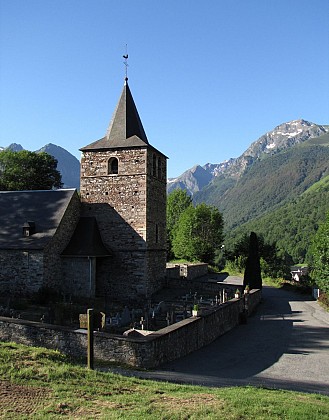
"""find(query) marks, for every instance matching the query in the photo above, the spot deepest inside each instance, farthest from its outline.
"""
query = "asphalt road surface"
(284, 345)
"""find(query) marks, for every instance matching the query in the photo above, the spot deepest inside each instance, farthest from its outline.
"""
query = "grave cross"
(142, 322)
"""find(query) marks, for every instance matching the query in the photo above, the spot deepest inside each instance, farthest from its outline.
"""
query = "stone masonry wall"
(150, 351)
(130, 209)
(21, 271)
(156, 270)
(187, 271)
(25, 271)
(156, 202)
(173, 271)
(79, 274)
(53, 268)
(125, 191)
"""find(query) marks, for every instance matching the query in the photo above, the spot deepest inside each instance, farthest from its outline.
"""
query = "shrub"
(324, 300)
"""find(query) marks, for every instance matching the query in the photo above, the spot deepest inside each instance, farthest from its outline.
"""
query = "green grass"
(184, 261)
(321, 140)
(269, 281)
(43, 384)
(323, 183)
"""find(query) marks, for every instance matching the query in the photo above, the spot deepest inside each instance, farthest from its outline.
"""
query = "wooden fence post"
(90, 345)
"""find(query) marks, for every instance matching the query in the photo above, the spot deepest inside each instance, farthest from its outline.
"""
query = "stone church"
(111, 240)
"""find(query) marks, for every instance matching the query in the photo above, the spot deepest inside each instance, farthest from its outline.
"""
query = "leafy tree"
(252, 274)
(182, 246)
(320, 256)
(199, 233)
(26, 170)
(177, 202)
(274, 263)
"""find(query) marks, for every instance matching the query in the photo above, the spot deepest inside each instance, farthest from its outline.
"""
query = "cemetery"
(166, 328)
(173, 303)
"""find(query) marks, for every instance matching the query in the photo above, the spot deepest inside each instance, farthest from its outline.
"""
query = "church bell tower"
(123, 185)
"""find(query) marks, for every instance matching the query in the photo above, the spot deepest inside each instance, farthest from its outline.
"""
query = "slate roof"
(44, 208)
(125, 129)
(86, 240)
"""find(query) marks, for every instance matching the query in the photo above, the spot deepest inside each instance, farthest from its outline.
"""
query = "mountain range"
(282, 137)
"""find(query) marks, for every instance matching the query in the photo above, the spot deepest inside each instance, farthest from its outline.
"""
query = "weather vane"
(125, 56)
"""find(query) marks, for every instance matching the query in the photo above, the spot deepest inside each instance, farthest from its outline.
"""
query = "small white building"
(298, 271)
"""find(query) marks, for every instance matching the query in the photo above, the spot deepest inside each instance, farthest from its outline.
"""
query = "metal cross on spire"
(125, 56)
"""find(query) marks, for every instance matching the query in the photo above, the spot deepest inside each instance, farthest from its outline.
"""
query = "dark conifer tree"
(252, 274)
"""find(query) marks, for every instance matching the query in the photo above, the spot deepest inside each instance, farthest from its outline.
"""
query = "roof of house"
(86, 240)
(44, 208)
(125, 129)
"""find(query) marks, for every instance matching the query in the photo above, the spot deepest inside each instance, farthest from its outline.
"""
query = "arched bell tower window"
(159, 168)
(154, 165)
(113, 166)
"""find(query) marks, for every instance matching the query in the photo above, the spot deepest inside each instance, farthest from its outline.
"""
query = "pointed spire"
(125, 122)
(125, 128)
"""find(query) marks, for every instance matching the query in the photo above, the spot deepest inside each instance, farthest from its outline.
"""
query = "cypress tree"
(252, 273)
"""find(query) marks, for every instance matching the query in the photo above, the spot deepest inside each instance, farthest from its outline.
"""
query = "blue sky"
(208, 77)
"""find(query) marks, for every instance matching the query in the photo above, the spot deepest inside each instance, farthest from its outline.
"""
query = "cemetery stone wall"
(150, 351)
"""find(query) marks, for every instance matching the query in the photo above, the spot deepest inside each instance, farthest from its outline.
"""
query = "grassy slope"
(65, 389)
(321, 140)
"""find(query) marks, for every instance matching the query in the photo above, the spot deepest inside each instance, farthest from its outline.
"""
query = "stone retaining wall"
(164, 345)
(187, 271)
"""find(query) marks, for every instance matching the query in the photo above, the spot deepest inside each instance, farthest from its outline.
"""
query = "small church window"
(154, 165)
(113, 166)
(159, 168)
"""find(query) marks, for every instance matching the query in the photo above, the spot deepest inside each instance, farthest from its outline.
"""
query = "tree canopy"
(198, 233)
(274, 262)
(25, 170)
(177, 202)
(320, 256)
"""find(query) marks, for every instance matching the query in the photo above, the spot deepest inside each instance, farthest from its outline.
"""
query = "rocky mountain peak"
(282, 137)
(14, 147)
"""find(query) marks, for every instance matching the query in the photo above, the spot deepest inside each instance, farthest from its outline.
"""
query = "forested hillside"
(282, 197)
(268, 184)
(292, 226)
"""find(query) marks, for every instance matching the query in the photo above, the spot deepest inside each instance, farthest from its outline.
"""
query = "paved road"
(285, 344)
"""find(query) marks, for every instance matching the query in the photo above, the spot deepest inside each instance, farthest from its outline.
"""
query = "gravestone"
(99, 320)
(125, 316)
